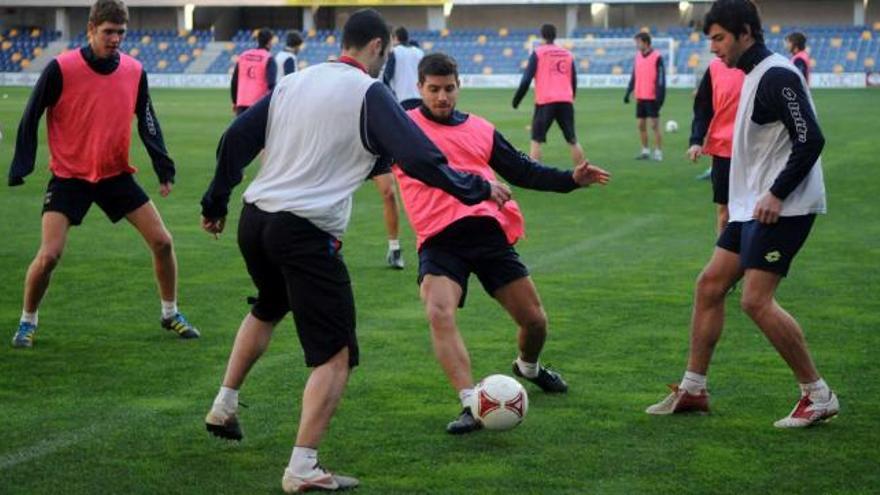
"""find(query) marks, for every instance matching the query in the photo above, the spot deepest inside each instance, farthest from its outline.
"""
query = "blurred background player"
(455, 240)
(255, 73)
(285, 60)
(712, 128)
(648, 80)
(295, 213)
(402, 70)
(555, 76)
(796, 44)
(91, 94)
(776, 191)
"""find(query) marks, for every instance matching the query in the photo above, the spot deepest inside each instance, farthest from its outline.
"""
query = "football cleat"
(706, 175)
(807, 413)
(223, 423)
(548, 380)
(394, 258)
(24, 336)
(179, 325)
(681, 401)
(321, 481)
(465, 423)
(658, 156)
(643, 156)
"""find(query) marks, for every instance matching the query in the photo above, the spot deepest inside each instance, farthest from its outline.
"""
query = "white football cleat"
(320, 481)
(223, 423)
(681, 401)
(807, 413)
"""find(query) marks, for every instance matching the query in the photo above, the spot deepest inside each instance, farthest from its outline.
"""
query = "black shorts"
(647, 109)
(770, 248)
(720, 179)
(562, 113)
(472, 245)
(116, 196)
(411, 103)
(298, 267)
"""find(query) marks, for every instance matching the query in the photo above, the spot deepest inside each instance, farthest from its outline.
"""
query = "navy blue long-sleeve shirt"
(782, 97)
(704, 110)
(529, 74)
(46, 94)
(385, 130)
(660, 83)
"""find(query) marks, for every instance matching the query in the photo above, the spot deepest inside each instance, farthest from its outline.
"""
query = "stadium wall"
(508, 16)
(409, 17)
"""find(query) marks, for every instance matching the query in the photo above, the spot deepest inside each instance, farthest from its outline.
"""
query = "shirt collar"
(752, 57)
(454, 119)
(345, 59)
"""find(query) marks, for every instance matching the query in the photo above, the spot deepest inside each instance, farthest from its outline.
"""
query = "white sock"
(228, 398)
(393, 244)
(303, 461)
(465, 395)
(529, 370)
(693, 383)
(818, 390)
(169, 309)
(646, 151)
(29, 317)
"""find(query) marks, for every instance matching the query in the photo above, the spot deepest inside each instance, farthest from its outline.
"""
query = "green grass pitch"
(107, 402)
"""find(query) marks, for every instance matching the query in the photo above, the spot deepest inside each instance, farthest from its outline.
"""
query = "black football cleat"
(547, 380)
(465, 423)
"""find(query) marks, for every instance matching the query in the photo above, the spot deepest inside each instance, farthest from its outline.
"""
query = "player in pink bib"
(255, 73)
(455, 240)
(648, 81)
(796, 44)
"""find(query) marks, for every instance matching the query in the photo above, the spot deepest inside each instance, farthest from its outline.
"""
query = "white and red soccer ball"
(500, 402)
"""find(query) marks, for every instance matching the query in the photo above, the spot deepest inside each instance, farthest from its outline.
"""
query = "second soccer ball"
(671, 126)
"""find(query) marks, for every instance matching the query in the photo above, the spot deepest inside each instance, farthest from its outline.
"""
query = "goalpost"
(594, 55)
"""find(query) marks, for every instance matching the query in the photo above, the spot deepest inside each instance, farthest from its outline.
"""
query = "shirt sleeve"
(802, 66)
(45, 94)
(233, 87)
(387, 130)
(151, 133)
(574, 79)
(271, 73)
(661, 81)
(289, 66)
(520, 170)
(631, 85)
(390, 65)
(239, 145)
(526, 80)
(703, 110)
(781, 97)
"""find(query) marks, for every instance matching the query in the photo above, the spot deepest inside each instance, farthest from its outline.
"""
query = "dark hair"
(364, 26)
(113, 11)
(437, 64)
(734, 16)
(643, 36)
(402, 35)
(548, 32)
(797, 40)
(294, 39)
(264, 37)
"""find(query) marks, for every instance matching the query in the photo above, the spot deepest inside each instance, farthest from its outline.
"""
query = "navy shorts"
(720, 179)
(116, 196)
(770, 248)
(647, 109)
(562, 113)
(472, 245)
(298, 267)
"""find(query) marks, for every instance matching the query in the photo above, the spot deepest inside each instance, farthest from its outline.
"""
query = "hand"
(767, 209)
(694, 152)
(500, 193)
(214, 225)
(515, 104)
(626, 100)
(165, 189)
(586, 174)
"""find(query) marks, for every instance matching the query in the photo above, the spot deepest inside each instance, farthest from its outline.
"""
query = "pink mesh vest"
(553, 77)
(646, 75)
(252, 84)
(726, 85)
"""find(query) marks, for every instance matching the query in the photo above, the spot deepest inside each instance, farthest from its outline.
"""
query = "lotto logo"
(773, 256)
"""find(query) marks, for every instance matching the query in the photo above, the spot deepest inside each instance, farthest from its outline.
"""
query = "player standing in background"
(555, 76)
(285, 60)
(402, 70)
(455, 240)
(712, 128)
(91, 94)
(776, 191)
(648, 80)
(319, 144)
(796, 44)
(254, 74)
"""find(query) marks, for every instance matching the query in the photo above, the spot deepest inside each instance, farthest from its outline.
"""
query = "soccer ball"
(501, 402)
(671, 126)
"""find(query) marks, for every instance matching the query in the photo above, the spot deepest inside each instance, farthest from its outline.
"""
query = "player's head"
(264, 38)
(733, 26)
(548, 33)
(365, 37)
(106, 28)
(401, 35)
(643, 41)
(294, 41)
(796, 42)
(439, 84)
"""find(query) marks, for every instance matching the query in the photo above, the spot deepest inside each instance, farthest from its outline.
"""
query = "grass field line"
(551, 259)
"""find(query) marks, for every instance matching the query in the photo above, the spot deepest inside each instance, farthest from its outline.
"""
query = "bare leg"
(520, 299)
(643, 132)
(535, 150)
(707, 322)
(147, 221)
(778, 326)
(385, 185)
(321, 396)
(54, 236)
(723, 218)
(251, 342)
(658, 138)
(440, 296)
(577, 154)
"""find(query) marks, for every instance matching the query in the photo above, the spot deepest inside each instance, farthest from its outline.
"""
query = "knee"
(441, 317)
(388, 195)
(711, 286)
(753, 305)
(536, 322)
(162, 244)
(48, 259)
(642, 125)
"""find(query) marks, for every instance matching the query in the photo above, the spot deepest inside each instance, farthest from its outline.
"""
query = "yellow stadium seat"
(775, 29)
(836, 42)
(838, 69)
(181, 33)
(645, 29)
(302, 64)
(16, 57)
(867, 36)
(444, 33)
(192, 40)
(6, 45)
(312, 33)
(234, 59)
(38, 51)
(584, 64)
(508, 52)
(568, 45)
(812, 62)
(161, 65)
(25, 63)
(481, 39)
(523, 64)
(428, 45)
(487, 70)
(134, 52)
(163, 46)
(13, 33)
(478, 58)
(589, 37)
(877, 26)
(197, 53)
(851, 56)
(35, 33)
(331, 40)
(230, 46)
(869, 62)
(146, 40)
(599, 51)
(503, 32)
(617, 70)
(695, 37)
(183, 58)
